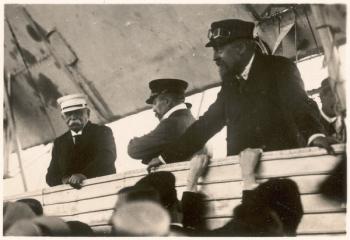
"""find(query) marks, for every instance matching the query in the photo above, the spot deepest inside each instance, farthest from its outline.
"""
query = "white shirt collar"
(173, 109)
(75, 134)
(247, 68)
(328, 119)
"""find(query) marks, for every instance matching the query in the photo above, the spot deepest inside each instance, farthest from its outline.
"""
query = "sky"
(37, 159)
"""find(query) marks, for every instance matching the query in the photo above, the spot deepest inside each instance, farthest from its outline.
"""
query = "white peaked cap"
(72, 102)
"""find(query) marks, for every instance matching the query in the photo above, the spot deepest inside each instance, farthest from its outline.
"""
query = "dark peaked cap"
(164, 85)
(225, 31)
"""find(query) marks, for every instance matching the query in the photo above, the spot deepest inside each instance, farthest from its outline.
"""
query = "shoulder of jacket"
(61, 137)
(98, 127)
(278, 60)
(183, 113)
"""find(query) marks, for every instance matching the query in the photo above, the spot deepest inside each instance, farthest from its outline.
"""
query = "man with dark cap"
(167, 98)
(87, 150)
(262, 100)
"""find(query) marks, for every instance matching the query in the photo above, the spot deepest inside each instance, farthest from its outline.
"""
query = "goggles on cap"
(218, 33)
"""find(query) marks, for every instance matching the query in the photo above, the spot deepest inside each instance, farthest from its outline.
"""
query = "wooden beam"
(218, 175)
(12, 124)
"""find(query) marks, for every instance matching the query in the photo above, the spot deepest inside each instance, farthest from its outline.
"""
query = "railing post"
(14, 132)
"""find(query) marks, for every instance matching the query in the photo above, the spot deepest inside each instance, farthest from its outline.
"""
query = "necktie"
(241, 83)
(76, 139)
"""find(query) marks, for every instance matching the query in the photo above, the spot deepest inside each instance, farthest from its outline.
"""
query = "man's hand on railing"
(248, 160)
(198, 167)
(65, 179)
(325, 142)
(154, 164)
(76, 180)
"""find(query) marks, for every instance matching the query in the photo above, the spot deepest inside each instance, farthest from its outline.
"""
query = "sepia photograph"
(174, 119)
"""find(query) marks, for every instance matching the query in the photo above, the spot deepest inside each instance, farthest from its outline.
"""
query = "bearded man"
(262, 100)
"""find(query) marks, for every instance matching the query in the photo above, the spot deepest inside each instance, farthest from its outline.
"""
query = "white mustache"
(74, 122)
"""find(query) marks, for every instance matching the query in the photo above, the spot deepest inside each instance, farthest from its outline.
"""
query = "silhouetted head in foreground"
(34, 204)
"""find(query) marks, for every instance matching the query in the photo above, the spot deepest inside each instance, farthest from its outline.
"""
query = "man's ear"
(165, 99)
(88, 112)
(242, 47)
(62, 116)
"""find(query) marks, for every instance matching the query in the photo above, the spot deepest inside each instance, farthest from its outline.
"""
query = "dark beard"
(226, 76)
(158, 116)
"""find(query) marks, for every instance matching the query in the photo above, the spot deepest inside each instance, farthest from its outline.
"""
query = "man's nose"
(74, 116)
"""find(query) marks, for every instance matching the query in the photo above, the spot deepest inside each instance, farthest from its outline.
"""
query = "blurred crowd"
(151, 208)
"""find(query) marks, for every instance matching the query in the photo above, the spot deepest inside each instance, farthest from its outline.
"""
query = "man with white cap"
(87, 150)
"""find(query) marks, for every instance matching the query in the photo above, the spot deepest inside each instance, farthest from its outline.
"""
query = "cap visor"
(150, 100)
(219, 42)
(72, 109)
(209, 44)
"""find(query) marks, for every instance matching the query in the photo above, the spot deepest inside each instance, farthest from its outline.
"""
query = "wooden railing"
(308, 167)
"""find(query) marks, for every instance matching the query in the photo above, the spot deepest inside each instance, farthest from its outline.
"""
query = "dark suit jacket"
(193, 210)
(168, 130)
(93, 155)
(271, 111)
(329, 127)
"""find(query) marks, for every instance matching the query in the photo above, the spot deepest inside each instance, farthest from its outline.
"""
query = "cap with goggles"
(225, 31)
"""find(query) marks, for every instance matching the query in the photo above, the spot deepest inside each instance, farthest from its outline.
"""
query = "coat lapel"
(85, 136)
(257, 84)
(258, 81)
(66, 151)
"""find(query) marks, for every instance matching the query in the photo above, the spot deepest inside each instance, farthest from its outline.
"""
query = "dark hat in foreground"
(283, 196)
(225, 31)
(164, 183)
(137, 193)
(166, 85)
(34, 205)
(79, 229)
